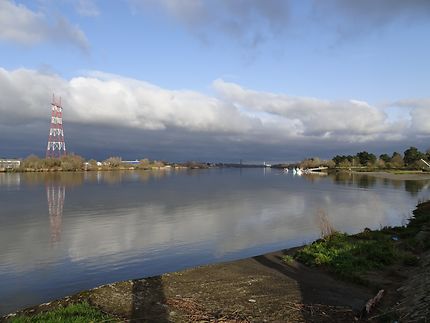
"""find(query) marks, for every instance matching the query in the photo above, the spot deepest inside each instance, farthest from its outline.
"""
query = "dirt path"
(257, 289)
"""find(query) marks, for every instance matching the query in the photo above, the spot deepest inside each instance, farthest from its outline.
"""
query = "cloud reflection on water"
(131, 218)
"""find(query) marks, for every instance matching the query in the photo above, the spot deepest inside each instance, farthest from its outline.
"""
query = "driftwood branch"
(371, 303)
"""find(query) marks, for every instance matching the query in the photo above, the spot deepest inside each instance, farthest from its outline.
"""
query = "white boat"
(297, 171)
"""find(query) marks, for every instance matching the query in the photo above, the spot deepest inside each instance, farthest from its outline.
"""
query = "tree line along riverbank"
(73, 162)
(373, 276)
(410, 161)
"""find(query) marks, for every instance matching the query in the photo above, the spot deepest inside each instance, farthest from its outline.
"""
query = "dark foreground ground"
(261, 289)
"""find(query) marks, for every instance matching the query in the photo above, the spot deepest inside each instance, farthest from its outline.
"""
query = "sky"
(216, 80)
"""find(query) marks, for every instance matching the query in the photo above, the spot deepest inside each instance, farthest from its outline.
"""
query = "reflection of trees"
(55, 194)
(112, 177)
(414, 187)
(159, 173)
(68, 179)
(144, 176)
(343, 178)
(365, 181)
(92, 176)
(396, 183)
(314, 178)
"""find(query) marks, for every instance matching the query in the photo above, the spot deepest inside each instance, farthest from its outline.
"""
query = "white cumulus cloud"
(349, 120)
(21, 25)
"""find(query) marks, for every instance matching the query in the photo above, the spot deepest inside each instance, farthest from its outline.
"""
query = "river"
(64, 232)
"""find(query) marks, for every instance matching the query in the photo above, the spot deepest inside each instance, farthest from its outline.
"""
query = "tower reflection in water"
(55, 193)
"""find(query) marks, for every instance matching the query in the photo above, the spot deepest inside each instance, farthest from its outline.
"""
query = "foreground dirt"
(414, 304)
(259, 289)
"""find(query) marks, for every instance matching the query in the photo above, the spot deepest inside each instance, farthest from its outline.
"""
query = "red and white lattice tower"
(56, 145)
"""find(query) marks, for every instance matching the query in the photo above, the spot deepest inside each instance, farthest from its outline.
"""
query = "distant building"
(131, 162)
(9, 163)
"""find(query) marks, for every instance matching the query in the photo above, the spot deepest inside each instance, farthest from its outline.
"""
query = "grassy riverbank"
(329, 280)
(349, 256)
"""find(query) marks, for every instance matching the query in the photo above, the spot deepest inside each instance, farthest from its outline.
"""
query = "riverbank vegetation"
(72, 162)
(410, 161)
(352, 256)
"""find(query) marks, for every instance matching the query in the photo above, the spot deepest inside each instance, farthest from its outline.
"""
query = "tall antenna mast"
(56, 145)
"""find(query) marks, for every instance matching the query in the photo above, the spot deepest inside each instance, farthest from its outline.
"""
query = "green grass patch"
(348, 256)
(351, 256)
(74, 313)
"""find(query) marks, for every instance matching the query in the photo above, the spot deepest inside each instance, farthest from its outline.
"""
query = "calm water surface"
(64, 232)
